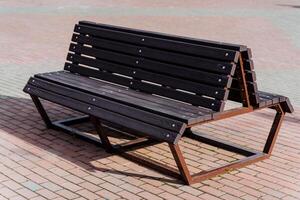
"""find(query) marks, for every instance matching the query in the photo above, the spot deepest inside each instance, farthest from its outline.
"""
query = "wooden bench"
(154, 87)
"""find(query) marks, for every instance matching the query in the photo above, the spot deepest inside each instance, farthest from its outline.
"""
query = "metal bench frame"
(182, 172)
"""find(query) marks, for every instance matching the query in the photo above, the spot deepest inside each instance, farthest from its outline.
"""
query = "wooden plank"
(264, 102)
(252, 86)
(174, 82)
(161, 68)
(168, 44)
(287, 106)
(248, 64)
(235, 95)
(210, 43)
(152, 89)
(270, 96)
(173, 110)
(169, 58)
(113, 106)
(246, 54)
(149, 53)
(147, 129)
(99, 86)
(284, 101)
(250, 75)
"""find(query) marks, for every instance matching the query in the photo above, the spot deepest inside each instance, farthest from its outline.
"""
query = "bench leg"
(180, 162)
(102, 135)
(274, 129)
(42, 111)
(251, 155)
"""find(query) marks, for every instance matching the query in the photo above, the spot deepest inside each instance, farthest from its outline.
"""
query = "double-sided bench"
(155, 87)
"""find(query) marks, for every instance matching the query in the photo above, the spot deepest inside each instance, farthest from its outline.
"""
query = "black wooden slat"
(235, 95)
(150, 53)
(113, 106)
(209, 43)
(263, 102)
(246, 54)
(284, 101)
(248, 65)
(147, 129)
(287, 106)
(160, 43)
(100, 86)
(153, 89)
(96, 89)
(250, 75)
(213, 67)
(265, 95)
(252, 86)
(235, 92)
(99, 74)
(173, 82)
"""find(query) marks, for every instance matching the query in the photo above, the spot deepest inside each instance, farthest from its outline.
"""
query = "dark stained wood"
(108, 87)
(140, 62)
(287, 106)
(266, 99)
(157, 106)
(209, 43)
(197, 100)
(249, 65)
(174, 82)
(98, 87)
(182, 70)
(102, 135)
(40, 109)
(158, 42)
(235, 90)
(116, 107)
(252, 86)
(147, 129)
(153, 54)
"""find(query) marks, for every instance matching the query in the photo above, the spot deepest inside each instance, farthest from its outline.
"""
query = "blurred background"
(35, 35)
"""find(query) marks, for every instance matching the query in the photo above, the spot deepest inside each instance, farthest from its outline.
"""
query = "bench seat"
(266, 99)
(168, 108)
(165, 117)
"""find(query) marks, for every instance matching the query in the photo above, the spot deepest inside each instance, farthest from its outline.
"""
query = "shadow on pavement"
(19, 118)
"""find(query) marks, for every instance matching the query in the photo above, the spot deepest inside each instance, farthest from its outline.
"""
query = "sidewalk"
(38, 162)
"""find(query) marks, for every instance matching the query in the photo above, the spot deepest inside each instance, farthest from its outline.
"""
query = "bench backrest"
(250, 76)
(197, 72)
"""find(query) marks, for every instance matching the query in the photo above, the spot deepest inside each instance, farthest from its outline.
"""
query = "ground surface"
(37, 163)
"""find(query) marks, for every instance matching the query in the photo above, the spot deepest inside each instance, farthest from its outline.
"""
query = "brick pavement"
(37, 163)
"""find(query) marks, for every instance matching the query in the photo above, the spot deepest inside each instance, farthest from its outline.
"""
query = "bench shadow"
(19, 118)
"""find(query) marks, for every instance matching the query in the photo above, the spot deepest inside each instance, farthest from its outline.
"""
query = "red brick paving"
(38, 163)
(70, 168)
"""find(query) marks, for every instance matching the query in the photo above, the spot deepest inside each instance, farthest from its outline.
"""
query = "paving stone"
(38, 163)
(32, 185)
